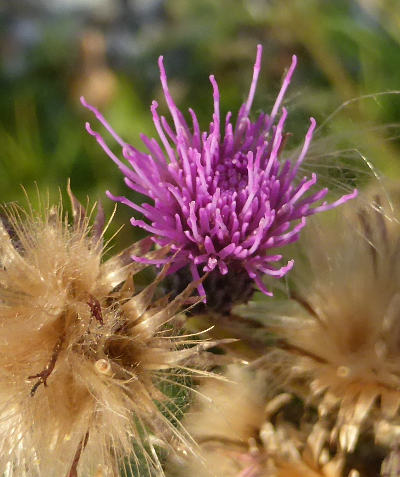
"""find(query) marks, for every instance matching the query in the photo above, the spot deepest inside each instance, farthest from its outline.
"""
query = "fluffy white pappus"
(81, 353)
(230, 408)
(242, 432)
(226, 414)
(341, 328)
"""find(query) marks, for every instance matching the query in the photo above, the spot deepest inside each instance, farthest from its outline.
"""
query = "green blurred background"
(52, 51)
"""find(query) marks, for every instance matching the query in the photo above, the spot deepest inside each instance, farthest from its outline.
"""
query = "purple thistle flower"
(221, 198)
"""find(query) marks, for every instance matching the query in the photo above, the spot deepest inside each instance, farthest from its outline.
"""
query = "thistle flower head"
(342, 328)
(80, 352)
(242, 432)
(221, 198)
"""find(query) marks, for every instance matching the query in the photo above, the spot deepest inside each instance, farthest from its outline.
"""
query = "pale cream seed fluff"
(242, 432)
(82, 353)
(340, 331)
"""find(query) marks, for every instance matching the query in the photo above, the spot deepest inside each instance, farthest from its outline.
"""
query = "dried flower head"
(223, 199)
(241, 433)
(80, 352)
(342, 330)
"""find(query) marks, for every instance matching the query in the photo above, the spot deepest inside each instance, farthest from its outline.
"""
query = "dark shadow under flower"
(222, 198)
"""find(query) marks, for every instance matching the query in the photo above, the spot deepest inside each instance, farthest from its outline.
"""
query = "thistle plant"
(312, 388)
(342, 336)
(222, 199)
(81, 352)
(245, 432)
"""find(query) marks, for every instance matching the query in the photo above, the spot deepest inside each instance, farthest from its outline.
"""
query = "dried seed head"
(342, 329)
(80, 352)
(242, 432)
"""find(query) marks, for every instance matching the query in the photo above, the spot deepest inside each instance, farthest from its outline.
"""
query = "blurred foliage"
(50, 54)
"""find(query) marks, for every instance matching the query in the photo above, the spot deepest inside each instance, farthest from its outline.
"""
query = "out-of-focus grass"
(346, 50)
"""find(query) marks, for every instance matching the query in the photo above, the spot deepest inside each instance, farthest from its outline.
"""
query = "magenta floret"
(220, 197)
